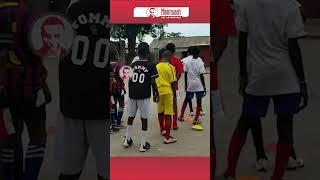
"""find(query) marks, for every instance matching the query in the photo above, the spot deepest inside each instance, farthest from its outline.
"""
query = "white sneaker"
(170, 140)
(262, 165)
(127, 143)
(295, 163)
(202, 113)
(163, 133)
(144, 148)
(191, 113)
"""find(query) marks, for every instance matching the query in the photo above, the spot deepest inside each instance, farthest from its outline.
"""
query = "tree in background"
(164, 35)
(132, 32)
(173, 35)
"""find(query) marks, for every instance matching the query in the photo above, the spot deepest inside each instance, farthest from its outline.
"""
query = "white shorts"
(142, 104)
(74, 139)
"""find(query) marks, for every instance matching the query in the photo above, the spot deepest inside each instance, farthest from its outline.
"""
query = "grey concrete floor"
(190, 142)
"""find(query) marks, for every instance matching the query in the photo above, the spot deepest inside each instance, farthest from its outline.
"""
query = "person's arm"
(173, 88)
(179, 69)
(296, 60)
(294, 30)
(155, 90)
(47, 93)
(3, 84)
(243, 78)
(186, 80)
(178, 76)
(220, 43)
(185, 69)
(203, 83)
(173, 81)
(202, 71)
(154, 76)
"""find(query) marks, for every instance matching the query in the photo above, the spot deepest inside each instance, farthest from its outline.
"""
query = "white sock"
(143, 137)
(128, 134)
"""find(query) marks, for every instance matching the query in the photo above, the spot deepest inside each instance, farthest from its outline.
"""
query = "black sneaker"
(113, 130)
(127, 143)
(119, 126)
(170, 140)
(180, 119)
(196, 122)
(144, 148)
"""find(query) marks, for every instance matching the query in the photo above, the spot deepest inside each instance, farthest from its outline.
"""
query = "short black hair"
(189, 49)
(171, 47)
(143, 49)
(195, 52)
(161, 52)
(166, 54)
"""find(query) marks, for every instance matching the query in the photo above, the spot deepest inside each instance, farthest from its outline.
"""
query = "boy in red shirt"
(177, 64)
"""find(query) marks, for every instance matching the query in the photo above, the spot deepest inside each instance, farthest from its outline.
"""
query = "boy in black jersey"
(84, 99)
(143, 78)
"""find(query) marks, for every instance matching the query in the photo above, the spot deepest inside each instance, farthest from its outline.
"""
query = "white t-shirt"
(270, 24)
(194, 68)
(187, 59)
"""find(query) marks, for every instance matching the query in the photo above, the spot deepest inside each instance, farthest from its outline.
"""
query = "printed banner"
(160, 11)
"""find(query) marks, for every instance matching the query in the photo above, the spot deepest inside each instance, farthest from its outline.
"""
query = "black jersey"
(140, 82)
(83, 74)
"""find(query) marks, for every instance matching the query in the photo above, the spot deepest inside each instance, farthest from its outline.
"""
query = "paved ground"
(306, 127)
(190, 142)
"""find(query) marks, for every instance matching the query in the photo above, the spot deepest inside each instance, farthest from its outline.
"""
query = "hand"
(8, 120)
(7, 115)
(156, 98)
(204, 92)
(243, 82)
(41, 99)
(123, 92)
(48, 97)
(304, 96)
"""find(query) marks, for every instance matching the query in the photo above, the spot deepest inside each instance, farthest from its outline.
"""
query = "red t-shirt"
(222, 23)
(222, 18)
(176, 62)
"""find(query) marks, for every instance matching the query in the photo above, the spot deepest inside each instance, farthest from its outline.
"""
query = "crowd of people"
(161, 81)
